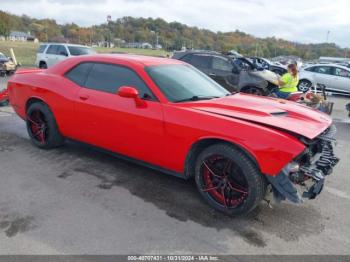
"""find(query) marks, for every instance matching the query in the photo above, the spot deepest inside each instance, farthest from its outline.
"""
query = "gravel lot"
(76, 200)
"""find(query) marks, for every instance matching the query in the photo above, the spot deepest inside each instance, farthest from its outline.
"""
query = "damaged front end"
(305, 176)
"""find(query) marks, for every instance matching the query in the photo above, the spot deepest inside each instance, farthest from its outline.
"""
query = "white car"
(335, 77)
(51, 53)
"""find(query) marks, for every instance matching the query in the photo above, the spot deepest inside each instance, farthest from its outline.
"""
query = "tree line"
(171, 35)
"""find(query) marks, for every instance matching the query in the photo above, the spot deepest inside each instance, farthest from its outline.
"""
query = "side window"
(263, 63)
(222, 64)
(341, 72)
(79, 73)
(61, 50)
(241, 64)
(327, 70)
(42, 49)
(200, 61)
(109, 78)
(52, 50)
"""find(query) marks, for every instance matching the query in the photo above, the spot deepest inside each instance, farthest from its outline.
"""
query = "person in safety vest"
(288, 83)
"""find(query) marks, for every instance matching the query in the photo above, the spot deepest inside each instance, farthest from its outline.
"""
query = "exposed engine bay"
(305, 176)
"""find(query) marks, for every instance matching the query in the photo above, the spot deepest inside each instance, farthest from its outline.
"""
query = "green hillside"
(172, 36)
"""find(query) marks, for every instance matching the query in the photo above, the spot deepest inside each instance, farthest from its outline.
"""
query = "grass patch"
(26, 51)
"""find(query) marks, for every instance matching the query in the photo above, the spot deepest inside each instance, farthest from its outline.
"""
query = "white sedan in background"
(335, 77)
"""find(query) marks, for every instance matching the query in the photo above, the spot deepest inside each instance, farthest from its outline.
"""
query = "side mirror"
(128, 92)
(131, 92)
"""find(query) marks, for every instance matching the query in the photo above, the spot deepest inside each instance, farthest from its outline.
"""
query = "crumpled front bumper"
(306, 180)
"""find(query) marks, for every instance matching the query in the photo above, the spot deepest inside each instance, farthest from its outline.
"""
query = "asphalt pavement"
(77, 200)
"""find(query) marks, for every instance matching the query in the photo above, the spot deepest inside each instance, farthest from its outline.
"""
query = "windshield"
(80, 50)
(2, 56)
(184, 83)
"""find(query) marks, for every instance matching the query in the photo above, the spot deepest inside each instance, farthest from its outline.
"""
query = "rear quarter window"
(80, 50)
(41, 49)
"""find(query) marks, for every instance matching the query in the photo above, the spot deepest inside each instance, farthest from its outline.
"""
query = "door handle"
(84, 97)
(212, 74)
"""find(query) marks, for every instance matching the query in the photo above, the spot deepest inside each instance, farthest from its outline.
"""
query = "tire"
(4, 103)
(304, 85)
(42, 65)
(42, 127)
(243, 187)
(253, 90)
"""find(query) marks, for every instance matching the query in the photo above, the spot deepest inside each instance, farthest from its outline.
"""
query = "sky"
(305, 21)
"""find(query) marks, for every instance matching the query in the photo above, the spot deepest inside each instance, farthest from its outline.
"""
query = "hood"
(267, 75)
(277, 113)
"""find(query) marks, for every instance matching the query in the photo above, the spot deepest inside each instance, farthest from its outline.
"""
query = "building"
(21, 36)
(144, 45)
(132, 45)
(158, 47)
(18, 36)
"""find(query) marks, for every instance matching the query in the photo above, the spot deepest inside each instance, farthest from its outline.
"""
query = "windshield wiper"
(196, 98)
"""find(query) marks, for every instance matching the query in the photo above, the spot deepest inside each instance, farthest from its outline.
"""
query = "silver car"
(335, 77)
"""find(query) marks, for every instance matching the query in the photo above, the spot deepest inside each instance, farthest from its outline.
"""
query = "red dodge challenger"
(167, 115)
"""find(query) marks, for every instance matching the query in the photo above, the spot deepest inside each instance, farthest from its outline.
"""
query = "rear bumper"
(306, 180)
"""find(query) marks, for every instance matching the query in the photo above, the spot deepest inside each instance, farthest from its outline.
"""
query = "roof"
(67, 44)
(327, 64)
(137, 59)
(334, 59)
(180, 54)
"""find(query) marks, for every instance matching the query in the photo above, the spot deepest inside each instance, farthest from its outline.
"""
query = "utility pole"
(91, 34)
(157, 38)
(109, 19)
(327, 37)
